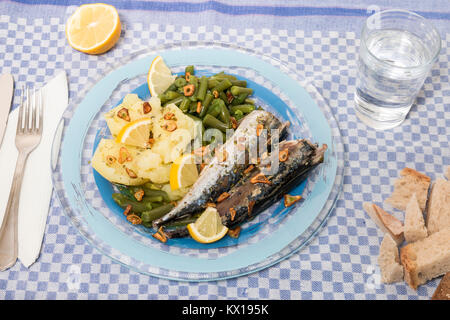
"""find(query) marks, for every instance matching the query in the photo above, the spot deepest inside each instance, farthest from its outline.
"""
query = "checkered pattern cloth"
(339, 263)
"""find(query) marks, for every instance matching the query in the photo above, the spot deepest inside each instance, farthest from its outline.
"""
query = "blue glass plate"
(273, 235)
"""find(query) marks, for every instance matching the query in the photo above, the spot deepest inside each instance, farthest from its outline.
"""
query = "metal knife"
(6, 94)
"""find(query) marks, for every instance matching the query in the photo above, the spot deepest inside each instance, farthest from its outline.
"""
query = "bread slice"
(438, 211)
(443, 290)
(414, 224)
(388, 260)
(385, 221)
(426, 259)
(447, 173)
(410, 182)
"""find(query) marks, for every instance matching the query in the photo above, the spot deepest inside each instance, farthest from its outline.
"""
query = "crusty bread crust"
(410, 266)
(414, 229)
(443, 290)
(371, 210)
(426, 259)
(411, 181)
(438, 209)
(389, 261)
(411, 172)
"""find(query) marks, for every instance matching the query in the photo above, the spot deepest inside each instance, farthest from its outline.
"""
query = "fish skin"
(217, 176)
(303, 157)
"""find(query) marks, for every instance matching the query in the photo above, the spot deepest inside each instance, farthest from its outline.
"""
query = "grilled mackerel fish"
(221, 174)
(256, 191)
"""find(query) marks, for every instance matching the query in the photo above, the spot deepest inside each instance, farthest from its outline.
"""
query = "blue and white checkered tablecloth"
(319, 42)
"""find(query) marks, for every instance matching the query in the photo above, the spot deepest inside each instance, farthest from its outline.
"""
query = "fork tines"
(30, 105)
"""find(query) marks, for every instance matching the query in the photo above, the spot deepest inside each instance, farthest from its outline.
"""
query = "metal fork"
(28, 137)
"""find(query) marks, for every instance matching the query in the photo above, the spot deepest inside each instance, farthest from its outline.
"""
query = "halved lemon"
(159, 77)
(93, 28)
(136, 133)
(183, 172)
(208, 228)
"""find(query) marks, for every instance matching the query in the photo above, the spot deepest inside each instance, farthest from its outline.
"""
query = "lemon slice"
(159, 77)
(136, 133)
(208, 228)
(183, 172)
(93, 28)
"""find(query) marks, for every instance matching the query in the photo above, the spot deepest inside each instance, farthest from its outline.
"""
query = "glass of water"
(397, 50)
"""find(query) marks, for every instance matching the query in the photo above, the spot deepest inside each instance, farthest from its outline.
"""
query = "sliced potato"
(133, 104)
(158, 175)
(171, 144)
(107, 162)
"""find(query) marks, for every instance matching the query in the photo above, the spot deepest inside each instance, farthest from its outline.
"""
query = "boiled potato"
(159, 175)
(135, 111)
(107, 158)
(171, 144)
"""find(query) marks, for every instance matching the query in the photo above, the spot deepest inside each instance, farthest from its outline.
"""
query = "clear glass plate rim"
(337, 146)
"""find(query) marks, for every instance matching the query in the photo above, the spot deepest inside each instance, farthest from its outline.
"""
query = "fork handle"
(9, 230)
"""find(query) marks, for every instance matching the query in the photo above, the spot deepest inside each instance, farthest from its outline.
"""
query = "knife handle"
(9, 231)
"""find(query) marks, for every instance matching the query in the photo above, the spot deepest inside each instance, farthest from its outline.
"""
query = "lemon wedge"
(93, 28)
(183, 172)
(208, 228)
(159, 77)
(136, 133)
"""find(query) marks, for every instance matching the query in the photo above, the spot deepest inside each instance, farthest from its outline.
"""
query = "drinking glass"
(397, 50)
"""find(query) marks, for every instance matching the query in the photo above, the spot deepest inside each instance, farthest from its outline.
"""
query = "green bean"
(151, 186)
(240, 99)
(182, 222)
(176, 101)
(157, 204)
(245, 108)
(211, 122)
(223, 85)
(212, 83)
(155, 193)
(169, 95)
(194, 80)
(157, 213)
(189, 69)
(224, 75)
(235, 90)
(180, 82)
(223, 96)
(238, 115)
(224, 115)
(216, 106)
(214, 110)
(249, 101)
(221, 73)
(153, 199)
(239, 83)
(137, 207)
(203, 87)
(206, 102)
(185, 104)
(193, 107)
(126, 191)
(172, 87)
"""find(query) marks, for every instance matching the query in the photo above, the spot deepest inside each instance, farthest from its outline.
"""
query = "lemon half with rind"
(93, 28)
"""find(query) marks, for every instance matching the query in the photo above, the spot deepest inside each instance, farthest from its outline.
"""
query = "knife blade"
(6, 94)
